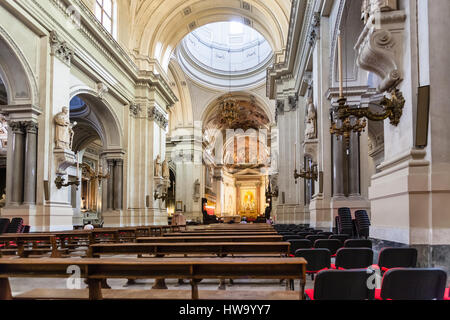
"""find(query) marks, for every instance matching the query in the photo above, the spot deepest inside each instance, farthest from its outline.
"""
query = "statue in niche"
(158, 166)
(64, 130)
(3, 201)
(310, 131)
(165, 170)
(197, 188)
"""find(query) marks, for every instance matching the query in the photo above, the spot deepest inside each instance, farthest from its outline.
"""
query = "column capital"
(31, 126)
(16, 126)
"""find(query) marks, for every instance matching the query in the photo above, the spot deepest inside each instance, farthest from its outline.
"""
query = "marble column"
(338, 167)
(30, 163)
(17, 163)
(354, 189)
(118, 184)
(110, 186)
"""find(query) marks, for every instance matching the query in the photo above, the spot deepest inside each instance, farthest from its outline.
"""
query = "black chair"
(362, 222)
(315, 237)
(4, 223)
(389, 258)
(291, 237)
(331, 244)
(353, 258)
(297, 244)
(318, 259)
(15, 225)
(344, 221)
(285, 233)
(358, 243)
(341, 285)
(341, 237)
(26, 229)
(304, 234)
(325, 233)
(413, 284)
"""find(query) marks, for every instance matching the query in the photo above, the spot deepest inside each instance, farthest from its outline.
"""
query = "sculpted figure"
(64, 130)
(165, 170)
(310, 130)
(158, 166)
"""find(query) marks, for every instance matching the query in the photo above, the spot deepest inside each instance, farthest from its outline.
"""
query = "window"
(104, 11)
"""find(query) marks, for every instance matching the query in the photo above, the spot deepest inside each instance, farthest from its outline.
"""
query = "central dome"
(226, 54)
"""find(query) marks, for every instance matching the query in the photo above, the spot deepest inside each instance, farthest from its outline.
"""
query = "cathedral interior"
(147, 113)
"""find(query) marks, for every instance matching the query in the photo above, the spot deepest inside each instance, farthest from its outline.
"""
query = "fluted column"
(118, 184)
(30, 163)
(110, 196)
(18, 146)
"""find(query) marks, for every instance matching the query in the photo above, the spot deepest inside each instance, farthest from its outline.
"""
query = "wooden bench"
(219, 248)
(238, 238)
(217, 234)
(30, 244)
(96, 270)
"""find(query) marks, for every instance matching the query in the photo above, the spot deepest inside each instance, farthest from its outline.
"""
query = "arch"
(161, 27)
(239, 95)
(16, 73)
(100, 116)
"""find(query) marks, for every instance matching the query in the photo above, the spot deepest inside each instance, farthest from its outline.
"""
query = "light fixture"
(392, 109)
(310, 174)
(229, 109)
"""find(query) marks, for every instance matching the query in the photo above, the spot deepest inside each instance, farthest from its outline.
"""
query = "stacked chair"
(15, 226)
(362, 223)
(344, 221)
(4, 223)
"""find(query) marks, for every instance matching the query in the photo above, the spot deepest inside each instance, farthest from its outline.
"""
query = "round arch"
(161, 27)
(16, 73)
(98, 114)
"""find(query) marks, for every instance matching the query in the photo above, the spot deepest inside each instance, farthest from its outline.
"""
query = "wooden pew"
(217, 234)
(239, 238)
(40, 243)
(219, 248)
(96, 270)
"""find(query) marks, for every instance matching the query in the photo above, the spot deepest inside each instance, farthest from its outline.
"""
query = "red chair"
(447, 294)
(331, 244)
(412, 284)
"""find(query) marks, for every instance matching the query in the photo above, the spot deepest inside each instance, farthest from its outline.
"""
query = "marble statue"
(158, 166)
(165, 170)
(310, 130)
(197, 188)
(64, 130)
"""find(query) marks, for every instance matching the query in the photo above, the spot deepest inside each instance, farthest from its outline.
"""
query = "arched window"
(105, 13)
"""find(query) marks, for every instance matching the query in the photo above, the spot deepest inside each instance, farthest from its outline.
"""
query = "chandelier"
(229, 110)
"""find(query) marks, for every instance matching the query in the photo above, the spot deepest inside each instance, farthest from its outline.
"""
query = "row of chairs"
(397, 284)
(332, 244)
(357, 258)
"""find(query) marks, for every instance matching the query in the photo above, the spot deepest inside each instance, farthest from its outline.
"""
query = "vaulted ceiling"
(157, 26)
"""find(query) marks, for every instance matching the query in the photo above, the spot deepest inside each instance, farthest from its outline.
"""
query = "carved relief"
(379, 47)
(102, 89)
(155, 115)
(60, 48)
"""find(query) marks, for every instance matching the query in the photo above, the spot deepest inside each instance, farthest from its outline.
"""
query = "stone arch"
(16, 73)
(100, 117)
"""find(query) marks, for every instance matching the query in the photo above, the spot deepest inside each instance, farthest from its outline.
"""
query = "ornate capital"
(155, 115)
(31, 127)
(314, 29)
(16, 127)
(135, 109)
(60, 48)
